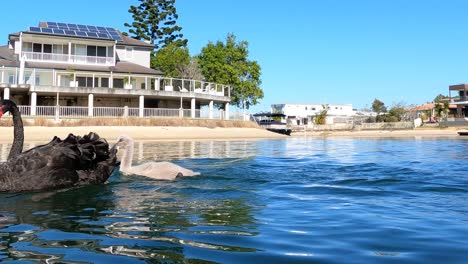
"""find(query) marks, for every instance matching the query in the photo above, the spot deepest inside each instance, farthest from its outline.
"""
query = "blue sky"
(333, 51)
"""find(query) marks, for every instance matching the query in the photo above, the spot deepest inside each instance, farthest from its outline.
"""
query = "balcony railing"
(123, 112)
(77, 59)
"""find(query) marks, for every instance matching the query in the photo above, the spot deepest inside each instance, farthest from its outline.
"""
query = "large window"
(91, 51)
(37, 47)
(85, 81)
(98, 51)
(47, 48)
(118, 83)
(104, 82)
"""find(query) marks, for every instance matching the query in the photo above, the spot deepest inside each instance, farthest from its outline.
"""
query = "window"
(11, 79)
(118, 83)
(47, 48)
(104, 82)
(59, 49)
(101, 51)
(37, 47)
(79, 50)
(27, 46)
(91, 51)
(85, 81)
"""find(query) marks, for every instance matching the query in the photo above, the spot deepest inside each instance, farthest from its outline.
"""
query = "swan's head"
(6, 106)
(124, 141)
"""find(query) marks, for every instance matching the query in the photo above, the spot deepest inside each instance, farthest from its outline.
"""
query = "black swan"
(71, 162)
(155, 170)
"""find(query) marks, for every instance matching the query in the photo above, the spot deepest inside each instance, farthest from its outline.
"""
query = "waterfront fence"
(122, 112)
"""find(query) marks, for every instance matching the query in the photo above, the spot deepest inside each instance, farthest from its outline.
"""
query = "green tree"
(440, 98)
(441, 107)
(227, 63)
(321, 117)
(396, 113)
(171, 59)
(378, 107)
(155, 21)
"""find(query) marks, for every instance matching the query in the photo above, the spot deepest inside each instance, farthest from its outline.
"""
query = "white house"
(303, 114)
(85, 70)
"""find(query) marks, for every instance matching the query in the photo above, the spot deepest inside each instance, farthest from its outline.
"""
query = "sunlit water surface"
(300, 200)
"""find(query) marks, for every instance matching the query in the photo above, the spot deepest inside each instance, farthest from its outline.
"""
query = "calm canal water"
(299, 200)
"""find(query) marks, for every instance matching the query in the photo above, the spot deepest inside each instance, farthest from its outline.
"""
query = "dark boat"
(463, 133)
(272, 122)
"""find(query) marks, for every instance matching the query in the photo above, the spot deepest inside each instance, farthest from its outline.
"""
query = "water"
(268, 201)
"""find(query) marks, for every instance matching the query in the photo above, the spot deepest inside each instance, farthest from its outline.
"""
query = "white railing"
(109, 111)
(161, 112)
(39, 56)
(91, 60)
(73, 111)
(83, 111)
(46, 110)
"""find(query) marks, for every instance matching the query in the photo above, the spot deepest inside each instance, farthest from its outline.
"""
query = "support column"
(141, 106)
(90, 105)
(33, 103)
(6, 93)
(192, 108)
(210, 110)
(226, 111)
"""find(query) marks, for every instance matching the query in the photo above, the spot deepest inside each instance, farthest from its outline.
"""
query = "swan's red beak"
(1, 112)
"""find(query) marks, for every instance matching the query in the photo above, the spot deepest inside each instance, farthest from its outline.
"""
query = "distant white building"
(303, 114)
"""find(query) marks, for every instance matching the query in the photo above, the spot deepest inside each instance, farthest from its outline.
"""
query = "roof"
(270, 114)
(429, 106)
(126, 40)
(458, 87)
(120, 67)
(7, 54)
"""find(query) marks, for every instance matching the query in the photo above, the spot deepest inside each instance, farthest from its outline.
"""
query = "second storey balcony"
(82, 83)
(66, 58)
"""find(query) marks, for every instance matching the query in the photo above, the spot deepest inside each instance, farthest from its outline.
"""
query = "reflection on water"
(176, 150)
(258, 201)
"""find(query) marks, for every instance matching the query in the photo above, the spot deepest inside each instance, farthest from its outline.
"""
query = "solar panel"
(70, 32)
(58, 31)
(35, 29)
(78, 30)
(103, 35)
(47, 30)
(92, 34)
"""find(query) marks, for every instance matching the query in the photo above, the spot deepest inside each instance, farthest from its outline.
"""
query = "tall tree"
(378, 107)
(228, 63)
(170, 59)
(155, 20)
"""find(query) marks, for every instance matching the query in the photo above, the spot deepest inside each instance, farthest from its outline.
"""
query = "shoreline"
(140, 133)
(420, 133)
(165, 133)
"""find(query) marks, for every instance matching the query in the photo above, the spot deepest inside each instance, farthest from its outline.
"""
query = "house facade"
(82, 70)
(459, 96)
(303, 114)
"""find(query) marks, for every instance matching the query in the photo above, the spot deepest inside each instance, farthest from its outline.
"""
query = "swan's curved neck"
(127, 156)
(18, 133)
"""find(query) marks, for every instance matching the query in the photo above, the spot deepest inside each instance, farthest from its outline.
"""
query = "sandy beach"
(144, 133)
(44, 134)
(420, 133)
